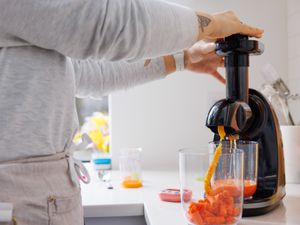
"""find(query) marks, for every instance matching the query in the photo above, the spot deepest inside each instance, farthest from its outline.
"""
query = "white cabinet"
(126, 220)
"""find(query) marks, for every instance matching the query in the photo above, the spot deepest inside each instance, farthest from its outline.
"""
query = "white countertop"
(98, 201)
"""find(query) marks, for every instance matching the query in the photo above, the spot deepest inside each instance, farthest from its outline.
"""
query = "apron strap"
(77, 170)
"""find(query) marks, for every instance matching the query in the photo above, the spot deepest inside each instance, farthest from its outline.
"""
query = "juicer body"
(271, 174)
(245, 112)
(265, 130)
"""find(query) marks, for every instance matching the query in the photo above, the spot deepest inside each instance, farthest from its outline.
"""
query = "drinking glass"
(222, 206)
(250, 149)
(130, 167)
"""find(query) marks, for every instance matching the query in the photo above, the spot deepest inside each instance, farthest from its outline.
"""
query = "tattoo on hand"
(203, 22)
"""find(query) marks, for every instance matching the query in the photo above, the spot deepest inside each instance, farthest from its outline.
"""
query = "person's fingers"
(247, 29)
(208, 48)
(199, 50)
(214, 59)
(194, 56)
(251, 31)
(222, 61)
(231, 14)
(218, 76)
(211, 56)
(204, 47)
(208, 40)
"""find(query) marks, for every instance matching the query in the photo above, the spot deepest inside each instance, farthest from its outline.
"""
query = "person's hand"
(201, 58)
(220, 25)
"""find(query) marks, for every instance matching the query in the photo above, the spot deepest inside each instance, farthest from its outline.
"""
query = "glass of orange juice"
(250, 149)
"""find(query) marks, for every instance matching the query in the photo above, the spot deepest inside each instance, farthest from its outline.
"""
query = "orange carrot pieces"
(222, 210)
(230, 211)
(196, 218)
(236, 211)
(215, 220)
(230, 220)
(218, 206)
(216, 209)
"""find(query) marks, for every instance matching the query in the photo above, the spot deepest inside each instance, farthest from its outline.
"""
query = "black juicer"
(247, 113)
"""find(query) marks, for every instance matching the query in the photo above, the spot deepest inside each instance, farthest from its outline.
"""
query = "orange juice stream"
(232, 140)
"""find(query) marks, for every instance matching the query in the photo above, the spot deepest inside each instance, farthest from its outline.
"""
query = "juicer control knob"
(239, 113)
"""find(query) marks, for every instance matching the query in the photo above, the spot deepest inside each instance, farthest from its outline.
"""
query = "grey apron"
(44, 190)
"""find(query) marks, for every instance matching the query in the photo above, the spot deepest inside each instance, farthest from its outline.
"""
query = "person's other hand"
(201, 58)
(224, 24)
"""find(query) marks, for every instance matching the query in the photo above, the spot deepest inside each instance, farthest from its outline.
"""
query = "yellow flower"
(97, 128)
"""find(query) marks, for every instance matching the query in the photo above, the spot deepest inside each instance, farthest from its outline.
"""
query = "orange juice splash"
(214, 163)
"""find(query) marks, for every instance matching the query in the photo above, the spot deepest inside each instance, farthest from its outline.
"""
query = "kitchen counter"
(98, 201)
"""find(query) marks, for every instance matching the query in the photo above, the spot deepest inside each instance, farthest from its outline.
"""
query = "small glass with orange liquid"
(250, 149)
(130, 167)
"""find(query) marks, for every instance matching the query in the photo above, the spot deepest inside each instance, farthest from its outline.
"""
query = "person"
(54, 51)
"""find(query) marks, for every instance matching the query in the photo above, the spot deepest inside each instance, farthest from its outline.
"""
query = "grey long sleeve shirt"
(54, 50)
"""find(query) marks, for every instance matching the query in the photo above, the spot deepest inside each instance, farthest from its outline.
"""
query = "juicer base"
(263, 206)
(259, 211)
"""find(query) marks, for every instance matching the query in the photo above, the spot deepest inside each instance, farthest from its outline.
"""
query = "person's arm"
(112, 29)
(97, 78)
(101, 29)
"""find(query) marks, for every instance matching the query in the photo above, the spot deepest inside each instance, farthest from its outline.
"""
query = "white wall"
(294, 54)
(166, 115)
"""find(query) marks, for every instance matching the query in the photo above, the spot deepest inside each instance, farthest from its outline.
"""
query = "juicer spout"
(232, 115)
